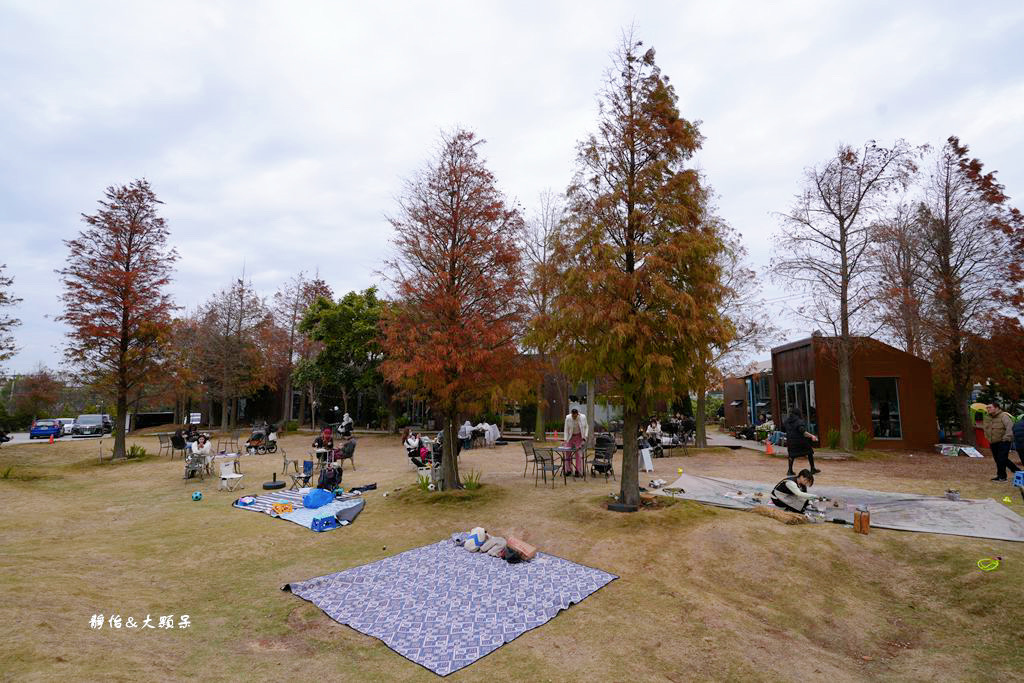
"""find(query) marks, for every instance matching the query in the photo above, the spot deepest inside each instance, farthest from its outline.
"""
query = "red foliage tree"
(38, 393)
(451, 335)
(114, 290)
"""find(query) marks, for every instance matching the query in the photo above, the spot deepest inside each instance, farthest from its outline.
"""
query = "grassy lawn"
(703, 593)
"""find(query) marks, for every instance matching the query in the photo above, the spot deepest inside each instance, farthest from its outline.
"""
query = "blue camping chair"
(301, 480)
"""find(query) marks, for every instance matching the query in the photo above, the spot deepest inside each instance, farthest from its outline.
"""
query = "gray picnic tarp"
(348, 506)
(443, 607)
(901, 511)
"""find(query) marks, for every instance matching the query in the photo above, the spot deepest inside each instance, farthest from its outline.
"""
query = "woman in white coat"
(575, 434)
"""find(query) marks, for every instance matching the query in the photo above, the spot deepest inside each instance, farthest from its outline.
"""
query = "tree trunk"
(700, 437)
(962, 395)
(302, 409)
(629, 491)
(224, 412)
(286, 404)
(845, 397)
(591, 398)
(449, 456)
(122, 410)
(538, 423)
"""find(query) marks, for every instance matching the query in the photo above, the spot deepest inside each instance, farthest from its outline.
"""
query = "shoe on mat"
(998, 479)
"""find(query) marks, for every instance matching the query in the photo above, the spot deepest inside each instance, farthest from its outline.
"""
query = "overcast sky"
(278, 134)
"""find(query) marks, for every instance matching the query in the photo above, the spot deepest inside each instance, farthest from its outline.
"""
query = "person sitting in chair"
(791, 493)
(201, 446)
(653, 432)
(325, 440)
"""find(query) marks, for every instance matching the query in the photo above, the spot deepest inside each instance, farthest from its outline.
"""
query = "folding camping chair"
(229, 480)
(195, 464)
(301, 480)
(285, 460)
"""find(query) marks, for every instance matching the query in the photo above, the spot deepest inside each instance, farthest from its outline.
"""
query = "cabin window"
(885, 408)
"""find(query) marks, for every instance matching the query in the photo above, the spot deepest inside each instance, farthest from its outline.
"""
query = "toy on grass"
(197, 495)
(987, 564)
(246, 500)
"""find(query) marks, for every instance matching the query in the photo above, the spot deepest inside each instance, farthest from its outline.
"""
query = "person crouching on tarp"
(791, 493)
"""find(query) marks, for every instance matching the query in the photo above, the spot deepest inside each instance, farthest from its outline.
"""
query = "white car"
(66, 423)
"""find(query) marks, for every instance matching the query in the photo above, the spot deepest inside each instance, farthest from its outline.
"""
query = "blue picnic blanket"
(443, 607)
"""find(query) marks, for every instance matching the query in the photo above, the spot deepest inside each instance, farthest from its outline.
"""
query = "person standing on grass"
(791, 493)
(799, 440)
(575, 434)
(999, 432)
(1018, 439)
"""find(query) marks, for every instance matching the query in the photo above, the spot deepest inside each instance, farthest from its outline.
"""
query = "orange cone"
(768, 448)
(51, 438)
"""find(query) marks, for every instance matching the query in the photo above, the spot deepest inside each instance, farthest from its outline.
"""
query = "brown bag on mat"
(522, 548)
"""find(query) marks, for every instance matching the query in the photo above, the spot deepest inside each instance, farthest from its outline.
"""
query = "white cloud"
(278, 134)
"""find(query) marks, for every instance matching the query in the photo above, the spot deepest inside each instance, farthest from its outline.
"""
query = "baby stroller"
(604, 451)
(419, 454)
(262, 440)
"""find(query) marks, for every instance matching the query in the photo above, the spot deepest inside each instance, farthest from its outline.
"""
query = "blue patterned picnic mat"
(443, 607)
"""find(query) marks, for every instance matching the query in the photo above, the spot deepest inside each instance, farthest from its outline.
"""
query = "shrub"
(402, 422)
(554, 425)
(860, 440)
(471, 480)
(289, 426)
(423, 482)
(135, 451)
(832, 438)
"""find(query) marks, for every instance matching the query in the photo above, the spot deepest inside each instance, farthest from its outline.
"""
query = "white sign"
(644, 460)
(195, 418)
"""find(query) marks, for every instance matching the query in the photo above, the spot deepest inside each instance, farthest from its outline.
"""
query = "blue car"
(44, 429)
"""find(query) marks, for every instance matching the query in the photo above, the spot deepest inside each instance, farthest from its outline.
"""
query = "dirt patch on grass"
(485, 494)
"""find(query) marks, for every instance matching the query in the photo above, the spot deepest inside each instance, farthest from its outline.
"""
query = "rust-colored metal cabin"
(893, 398)
(734, 396)
(750, 397)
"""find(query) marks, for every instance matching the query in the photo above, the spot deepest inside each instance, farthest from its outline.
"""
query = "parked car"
(66, 425)
(44, 429)
(88, 425)
(108, 424)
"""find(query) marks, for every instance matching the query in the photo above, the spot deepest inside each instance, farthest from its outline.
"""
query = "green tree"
(349, 332)
(640, 285)
(7, 323)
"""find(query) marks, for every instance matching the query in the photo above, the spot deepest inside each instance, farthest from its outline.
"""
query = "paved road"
(22, 437)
